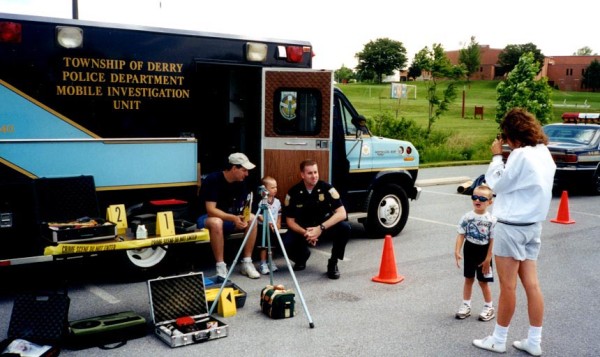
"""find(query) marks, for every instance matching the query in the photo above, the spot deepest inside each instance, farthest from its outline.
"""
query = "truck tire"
(146, 258)
(388, 211)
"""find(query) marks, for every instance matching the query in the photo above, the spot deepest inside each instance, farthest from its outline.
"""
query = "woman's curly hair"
(522, 126)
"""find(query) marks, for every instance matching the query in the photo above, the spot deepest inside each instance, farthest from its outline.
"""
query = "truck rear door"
(296, 123)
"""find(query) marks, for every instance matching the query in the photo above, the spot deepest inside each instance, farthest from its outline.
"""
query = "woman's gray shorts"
(518, 242)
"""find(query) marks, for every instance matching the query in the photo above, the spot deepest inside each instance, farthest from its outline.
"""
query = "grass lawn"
(467, 131)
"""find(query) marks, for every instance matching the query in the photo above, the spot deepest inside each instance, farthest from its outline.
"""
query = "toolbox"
(213, 285)
(179, 311)
(67, 210)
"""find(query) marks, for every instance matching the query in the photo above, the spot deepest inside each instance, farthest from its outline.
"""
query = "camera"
(262, 191)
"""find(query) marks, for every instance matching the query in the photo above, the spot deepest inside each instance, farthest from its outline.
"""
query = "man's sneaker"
(263, 268)
(249, 270)
(464, 311)
(487, 313)
(489, 343)
(524, 345)
(222, 270)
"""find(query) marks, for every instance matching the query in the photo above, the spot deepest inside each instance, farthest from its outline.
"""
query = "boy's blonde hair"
(267, 179)
(487, 189)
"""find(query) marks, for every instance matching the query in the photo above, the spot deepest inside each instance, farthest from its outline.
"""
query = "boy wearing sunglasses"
(476, 244)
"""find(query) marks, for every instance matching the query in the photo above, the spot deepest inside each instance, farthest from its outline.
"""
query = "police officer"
(313, 210)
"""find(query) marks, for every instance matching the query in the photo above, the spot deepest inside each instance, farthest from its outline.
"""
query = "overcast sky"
(340, 29)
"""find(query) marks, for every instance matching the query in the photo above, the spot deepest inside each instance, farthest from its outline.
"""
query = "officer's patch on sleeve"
(287, 200)
(333, 192)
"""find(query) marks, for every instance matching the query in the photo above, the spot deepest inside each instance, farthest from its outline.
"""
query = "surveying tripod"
(266, 239)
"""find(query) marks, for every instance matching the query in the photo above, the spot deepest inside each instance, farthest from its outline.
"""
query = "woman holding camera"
(523, 187)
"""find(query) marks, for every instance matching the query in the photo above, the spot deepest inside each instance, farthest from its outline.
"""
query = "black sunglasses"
(480, 198)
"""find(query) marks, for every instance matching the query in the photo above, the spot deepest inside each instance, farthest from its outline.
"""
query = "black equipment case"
(180, 311)
(67, 210)
(40, 318)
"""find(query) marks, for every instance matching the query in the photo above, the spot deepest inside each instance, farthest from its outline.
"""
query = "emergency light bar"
(587, 118)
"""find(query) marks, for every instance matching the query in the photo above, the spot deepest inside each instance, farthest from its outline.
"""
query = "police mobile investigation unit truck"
(146, 111)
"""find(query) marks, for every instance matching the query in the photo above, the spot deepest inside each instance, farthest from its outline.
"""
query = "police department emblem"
(321, 197)
(287, 200)
(287, 105)
(333, 192)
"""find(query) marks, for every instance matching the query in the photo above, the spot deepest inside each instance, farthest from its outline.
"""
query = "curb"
(442, 181)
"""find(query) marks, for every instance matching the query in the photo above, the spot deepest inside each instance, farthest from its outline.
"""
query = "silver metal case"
(182, 298)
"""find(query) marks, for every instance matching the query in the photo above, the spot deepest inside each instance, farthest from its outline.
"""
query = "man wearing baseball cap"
(224, 195)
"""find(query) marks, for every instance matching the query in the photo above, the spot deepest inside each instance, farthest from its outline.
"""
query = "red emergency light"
(10, 32)
(294, 53)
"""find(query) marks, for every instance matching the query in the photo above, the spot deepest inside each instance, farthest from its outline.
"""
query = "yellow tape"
(103, 246)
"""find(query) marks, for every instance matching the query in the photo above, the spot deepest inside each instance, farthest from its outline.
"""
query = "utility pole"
(75, 10)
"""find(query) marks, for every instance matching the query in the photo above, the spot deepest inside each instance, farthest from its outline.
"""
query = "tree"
(509, 57)
(381, 57)
(520, 89)
(343, 74)
(420, 60)
(584, 51)
(439, 66)
(591, 76)
(470, 57)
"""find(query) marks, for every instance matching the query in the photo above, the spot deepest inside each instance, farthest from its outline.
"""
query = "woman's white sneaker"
(524, 345)
(489, 343)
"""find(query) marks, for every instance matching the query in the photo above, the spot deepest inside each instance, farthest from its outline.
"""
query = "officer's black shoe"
(299, 266)
(332, 269)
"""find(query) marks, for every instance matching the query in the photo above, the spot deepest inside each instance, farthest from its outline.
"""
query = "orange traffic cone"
(563, 210)
(387, 271)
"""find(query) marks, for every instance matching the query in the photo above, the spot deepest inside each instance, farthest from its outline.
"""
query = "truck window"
(297, 111)
(345, 116)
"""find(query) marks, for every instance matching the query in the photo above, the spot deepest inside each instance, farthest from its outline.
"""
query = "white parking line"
(434, 222)
(102, 294)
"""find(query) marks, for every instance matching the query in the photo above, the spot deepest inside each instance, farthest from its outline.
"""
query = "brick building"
(566, 72)
(488, 63)
(563, 72)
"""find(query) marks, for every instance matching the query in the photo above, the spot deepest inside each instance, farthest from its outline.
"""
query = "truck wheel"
(146, 258)
(388, 211)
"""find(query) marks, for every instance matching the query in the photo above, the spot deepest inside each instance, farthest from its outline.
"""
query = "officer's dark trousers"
(298, 250)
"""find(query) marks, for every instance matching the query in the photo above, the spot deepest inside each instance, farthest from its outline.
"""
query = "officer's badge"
(333, 192)
(287, 200)
(321, 197)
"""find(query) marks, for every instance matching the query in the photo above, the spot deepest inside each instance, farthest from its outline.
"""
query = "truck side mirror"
(361, 126)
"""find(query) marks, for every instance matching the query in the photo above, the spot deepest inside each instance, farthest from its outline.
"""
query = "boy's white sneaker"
(263, 268)
(464, 311)
(487, 313)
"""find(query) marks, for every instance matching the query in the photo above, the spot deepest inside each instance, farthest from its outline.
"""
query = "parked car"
(575, 147)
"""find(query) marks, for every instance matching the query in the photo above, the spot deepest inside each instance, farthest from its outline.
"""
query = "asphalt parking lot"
(355, 316)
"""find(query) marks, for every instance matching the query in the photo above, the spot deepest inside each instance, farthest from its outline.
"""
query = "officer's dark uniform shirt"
(311, 209)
